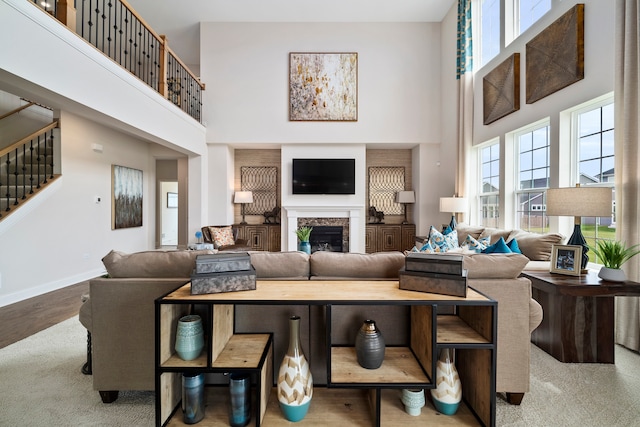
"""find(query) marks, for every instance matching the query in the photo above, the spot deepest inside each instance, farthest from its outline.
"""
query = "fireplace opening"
(326, 238)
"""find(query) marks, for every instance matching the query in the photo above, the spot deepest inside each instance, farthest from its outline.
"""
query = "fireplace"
(326, 238)
(347, 217)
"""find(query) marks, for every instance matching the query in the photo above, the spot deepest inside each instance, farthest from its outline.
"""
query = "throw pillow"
(499, 247)
(222, 236)
(442, 242)
(513, 245)
(477, 245)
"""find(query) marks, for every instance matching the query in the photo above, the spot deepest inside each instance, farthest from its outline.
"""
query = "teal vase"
(189, 337)
(305, 247)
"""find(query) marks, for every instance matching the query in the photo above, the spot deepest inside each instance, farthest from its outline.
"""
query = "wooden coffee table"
(578, 323)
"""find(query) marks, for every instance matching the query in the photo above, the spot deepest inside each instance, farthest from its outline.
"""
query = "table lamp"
(405, 197)
(578, 202)
(243, 197)
(454, 205)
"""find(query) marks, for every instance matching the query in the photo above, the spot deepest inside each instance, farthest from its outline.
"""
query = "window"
(528, 12)
(489, 46)
(533, 178)
(489, 191)
(595, 158)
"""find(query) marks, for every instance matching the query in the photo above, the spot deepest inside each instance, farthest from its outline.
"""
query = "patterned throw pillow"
(443, 242)
(221, 236)
(477, 245)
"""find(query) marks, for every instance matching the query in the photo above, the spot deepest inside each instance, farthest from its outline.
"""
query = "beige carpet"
(41, 385)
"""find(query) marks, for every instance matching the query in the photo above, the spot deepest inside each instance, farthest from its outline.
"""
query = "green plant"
(303, 233)
(613, 254)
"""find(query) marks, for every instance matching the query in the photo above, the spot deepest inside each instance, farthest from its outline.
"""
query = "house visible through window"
(533, 179)
(489, 191)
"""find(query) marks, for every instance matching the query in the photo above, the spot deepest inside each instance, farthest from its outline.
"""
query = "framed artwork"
(555, 57)
(323, 86)
(566, 259)
(172, 200)
(126, 197)
(501, 90)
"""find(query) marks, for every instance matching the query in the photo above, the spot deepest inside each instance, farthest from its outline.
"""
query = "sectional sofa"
(119, 313)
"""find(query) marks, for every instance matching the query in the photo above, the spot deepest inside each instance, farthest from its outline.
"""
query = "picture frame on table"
(566, 259)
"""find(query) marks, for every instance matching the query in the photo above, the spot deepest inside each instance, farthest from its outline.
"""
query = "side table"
(578, 323)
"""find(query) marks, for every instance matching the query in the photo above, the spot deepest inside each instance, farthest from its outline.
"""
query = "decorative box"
(434, 263)
(223, 262)
(229, 281)
(435, 283)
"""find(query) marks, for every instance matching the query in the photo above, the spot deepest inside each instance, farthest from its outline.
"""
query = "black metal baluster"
(31, 171)
(38, 159)
(24, 172)
(7, 194)
(15, 175)
(53, 146)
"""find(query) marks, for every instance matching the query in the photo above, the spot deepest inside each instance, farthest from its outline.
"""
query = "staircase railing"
(116, 29)
(25, 167)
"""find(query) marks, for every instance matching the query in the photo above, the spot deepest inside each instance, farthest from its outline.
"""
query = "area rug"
(41, 385)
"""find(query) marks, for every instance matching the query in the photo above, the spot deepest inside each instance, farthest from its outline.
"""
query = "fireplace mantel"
(354, 213)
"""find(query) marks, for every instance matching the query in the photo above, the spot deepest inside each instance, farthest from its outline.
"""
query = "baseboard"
(48, 287)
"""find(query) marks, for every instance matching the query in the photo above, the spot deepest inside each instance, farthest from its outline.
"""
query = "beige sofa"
(120, 311)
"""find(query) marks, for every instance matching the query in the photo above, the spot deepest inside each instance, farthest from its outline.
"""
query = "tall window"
(533, 179)
(594, 145)
(528, 12)
(489, 191)
(489, 45)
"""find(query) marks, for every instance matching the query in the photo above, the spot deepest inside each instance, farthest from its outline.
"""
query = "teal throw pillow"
(513, 245)
(499, 247)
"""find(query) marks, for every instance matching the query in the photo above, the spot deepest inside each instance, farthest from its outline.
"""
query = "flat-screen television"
(324, 176)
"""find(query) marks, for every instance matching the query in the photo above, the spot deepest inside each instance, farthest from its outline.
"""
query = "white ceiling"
(179, 20)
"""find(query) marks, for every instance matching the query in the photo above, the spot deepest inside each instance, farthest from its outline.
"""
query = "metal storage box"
(223, 262)
(434, 263)
(435, 283)
(230, 281)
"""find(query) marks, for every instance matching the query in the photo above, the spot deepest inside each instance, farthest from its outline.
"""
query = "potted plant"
(303, 234)
(613, 254)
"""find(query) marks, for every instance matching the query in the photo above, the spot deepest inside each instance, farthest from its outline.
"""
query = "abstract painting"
(555, 57)
(501, 90)
(126, 195)
(323, 86)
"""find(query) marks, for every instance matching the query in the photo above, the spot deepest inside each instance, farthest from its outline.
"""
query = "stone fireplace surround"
(349, 218)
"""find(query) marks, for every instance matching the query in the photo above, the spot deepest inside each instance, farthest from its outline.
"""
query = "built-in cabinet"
(260, 237)
(389, 237)
(353, 395)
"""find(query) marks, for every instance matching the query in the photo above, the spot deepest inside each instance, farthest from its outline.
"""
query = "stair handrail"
(17, 110)
(28, 138)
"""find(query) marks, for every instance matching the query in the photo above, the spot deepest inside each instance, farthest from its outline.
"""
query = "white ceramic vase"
(448, 392)
(612, 274)
(413, 401)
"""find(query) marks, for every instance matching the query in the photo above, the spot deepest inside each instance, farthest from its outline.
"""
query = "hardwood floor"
(25, 318)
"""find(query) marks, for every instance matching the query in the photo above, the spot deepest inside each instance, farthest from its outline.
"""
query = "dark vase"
(370, 345)
(295, 382)
(192, 398)
(240, 392)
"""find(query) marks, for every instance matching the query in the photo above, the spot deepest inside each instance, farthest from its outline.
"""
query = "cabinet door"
(370, 239)
(389, 238)
(274, 237)
(257, 237)
(408, 237)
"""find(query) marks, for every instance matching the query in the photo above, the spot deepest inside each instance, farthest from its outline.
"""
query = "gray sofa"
(120, 311)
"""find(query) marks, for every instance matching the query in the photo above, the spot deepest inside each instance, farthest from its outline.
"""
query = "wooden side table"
(578, 323)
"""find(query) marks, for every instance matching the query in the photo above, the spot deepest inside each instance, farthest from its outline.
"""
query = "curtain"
(627, 157)
(464, 75)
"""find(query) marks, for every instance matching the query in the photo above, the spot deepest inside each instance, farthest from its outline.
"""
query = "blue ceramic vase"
(189, 337)
(305, 247)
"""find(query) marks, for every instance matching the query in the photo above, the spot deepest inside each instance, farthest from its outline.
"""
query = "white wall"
(246, 69)
(64, 237)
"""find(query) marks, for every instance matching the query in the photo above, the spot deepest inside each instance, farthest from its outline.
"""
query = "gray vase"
(370, 345)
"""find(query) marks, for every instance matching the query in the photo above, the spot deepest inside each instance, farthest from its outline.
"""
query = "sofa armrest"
(123, 330)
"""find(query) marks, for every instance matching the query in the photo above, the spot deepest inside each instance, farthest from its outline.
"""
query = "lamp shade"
(243, 197)
(453, 204)
(405, 197)
(579, 201)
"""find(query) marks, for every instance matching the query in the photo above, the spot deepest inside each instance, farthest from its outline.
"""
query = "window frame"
(480, 194)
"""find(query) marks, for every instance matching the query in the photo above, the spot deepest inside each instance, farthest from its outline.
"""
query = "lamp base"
(577, 239)
(453, 222)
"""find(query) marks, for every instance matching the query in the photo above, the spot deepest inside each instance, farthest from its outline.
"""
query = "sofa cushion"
(494, 266)
(280, 265)
(465, 230)
(536, 247)
(151, 263)
(222, 236)
(378, 265)
(495, 234)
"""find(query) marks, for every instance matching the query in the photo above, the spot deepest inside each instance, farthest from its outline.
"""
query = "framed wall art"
(555, 57)
(172, 200)
(126, 195)
(566, 259)
(323, 86)
(501, 90)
